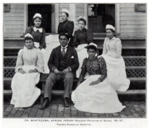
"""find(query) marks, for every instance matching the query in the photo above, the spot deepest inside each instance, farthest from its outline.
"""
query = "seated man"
(63, 64)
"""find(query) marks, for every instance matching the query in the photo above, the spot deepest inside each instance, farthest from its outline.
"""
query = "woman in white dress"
(112, 50)
(82, 37)
(29, 65)
(95, 94)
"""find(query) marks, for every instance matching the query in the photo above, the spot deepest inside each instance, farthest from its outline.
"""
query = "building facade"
(129, 19)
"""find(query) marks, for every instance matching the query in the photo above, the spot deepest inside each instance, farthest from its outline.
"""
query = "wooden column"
(56, 17)
(117, 18)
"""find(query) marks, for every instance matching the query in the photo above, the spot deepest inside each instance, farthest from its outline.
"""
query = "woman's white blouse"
(112, 47)
(30, 57)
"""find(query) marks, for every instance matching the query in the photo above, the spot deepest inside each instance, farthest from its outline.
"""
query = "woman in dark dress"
(66, 26)
(95, 94)
(37, 31)
(82, 37)
(38, 34)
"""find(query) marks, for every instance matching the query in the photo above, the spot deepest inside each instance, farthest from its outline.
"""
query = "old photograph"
(74, 60)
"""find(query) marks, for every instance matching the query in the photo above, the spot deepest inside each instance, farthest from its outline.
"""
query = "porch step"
(129, 61)
(132, 71)
(61, 92)
(135, 83)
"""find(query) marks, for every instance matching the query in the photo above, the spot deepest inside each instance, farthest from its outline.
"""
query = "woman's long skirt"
(116, 73)
(100, 98)
(24, 90)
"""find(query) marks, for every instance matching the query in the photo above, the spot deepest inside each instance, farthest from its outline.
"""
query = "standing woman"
(112, 49)
(29, 65)
(38, 34)
(82, 38)
(66, 26)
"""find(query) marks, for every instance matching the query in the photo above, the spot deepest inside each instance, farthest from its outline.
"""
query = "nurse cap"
(37, 15)
(81, 17)
(110, 27)
(91, 45)
(28, 35)
(65, 11)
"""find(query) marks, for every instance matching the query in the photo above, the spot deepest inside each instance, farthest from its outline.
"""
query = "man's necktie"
(63, 52)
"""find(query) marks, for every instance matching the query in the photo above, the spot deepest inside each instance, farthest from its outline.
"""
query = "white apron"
(116, 73)
(100, 98)
(24, 89)
(82, 54)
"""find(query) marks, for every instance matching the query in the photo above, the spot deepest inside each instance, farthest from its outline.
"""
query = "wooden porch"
(134, 109)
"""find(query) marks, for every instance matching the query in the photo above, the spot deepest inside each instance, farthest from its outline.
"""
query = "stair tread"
(123, 57)
(132, 79)
(62, 91)
(127, 67)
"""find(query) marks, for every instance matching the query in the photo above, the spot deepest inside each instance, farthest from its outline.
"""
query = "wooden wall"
(132, 24)
(14, 21)
(79, 12)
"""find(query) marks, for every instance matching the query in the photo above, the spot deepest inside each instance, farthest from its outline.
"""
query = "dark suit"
(54, 62)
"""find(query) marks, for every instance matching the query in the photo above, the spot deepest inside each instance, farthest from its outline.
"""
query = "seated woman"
(82, 37)
(95, 94)
(28, 67)
(112, 49)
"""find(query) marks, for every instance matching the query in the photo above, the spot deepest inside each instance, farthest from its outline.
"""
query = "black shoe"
(45, 104)
(66, 102)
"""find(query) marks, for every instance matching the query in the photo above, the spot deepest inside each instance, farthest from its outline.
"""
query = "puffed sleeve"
(102, 65)
(28, 30)
(75, 39)
(118, 46)
(89, 36)
(104, 47)
(83, 71)
(70, 28)
(40, 63)
(43, 44)
(19, 62)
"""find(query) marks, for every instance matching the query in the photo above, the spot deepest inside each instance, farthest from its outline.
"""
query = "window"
(6, 7)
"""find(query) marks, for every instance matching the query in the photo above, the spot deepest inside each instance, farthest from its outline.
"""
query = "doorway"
(45, 10)
(99, 15)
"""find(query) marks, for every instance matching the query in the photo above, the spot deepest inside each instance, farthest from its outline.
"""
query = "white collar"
(35, 29)
(112, 38)
(64, 47)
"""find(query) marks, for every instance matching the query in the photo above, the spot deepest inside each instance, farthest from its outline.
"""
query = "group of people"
(100, 76)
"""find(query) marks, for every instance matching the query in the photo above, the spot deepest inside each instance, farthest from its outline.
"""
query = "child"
(38, 34)
(29, 65)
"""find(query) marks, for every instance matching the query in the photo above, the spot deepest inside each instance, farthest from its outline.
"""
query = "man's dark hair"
(64, 34)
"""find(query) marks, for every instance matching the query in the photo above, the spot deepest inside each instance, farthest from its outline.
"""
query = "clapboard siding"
(132, 24)
(14, 21)
(62, 6)
(79, 12)
(126, 5)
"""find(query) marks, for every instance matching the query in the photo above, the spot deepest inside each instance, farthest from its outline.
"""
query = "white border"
(127, 123)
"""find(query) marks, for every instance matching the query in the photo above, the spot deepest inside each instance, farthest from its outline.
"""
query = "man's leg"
(68, 83)
(50, 81)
